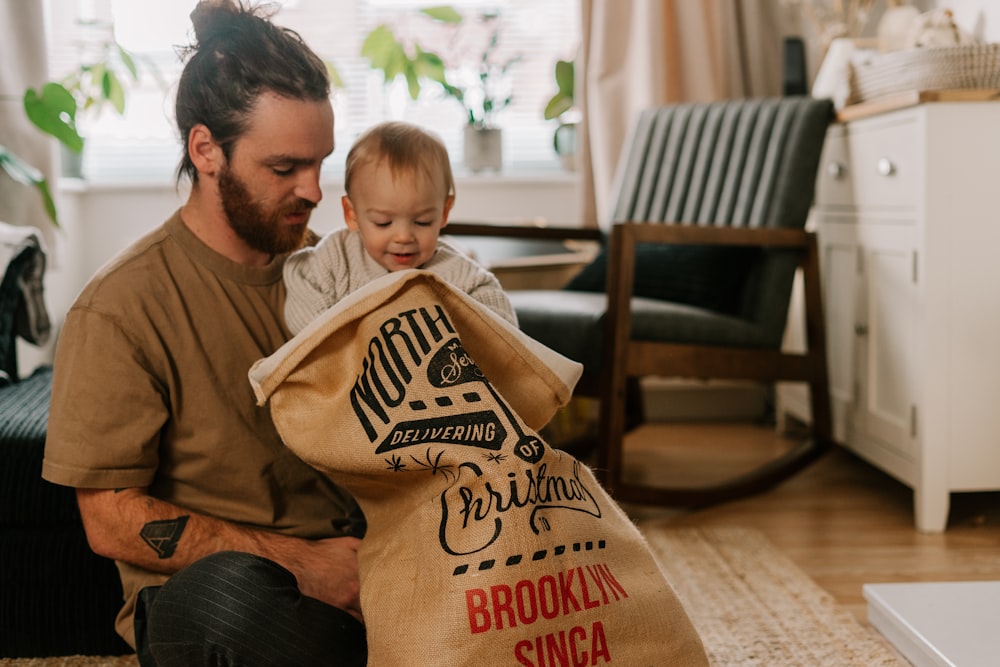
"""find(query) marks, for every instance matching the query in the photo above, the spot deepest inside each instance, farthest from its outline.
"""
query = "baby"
(400, 190)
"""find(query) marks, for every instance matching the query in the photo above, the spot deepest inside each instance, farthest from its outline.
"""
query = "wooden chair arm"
(649, 232)
(522, 231)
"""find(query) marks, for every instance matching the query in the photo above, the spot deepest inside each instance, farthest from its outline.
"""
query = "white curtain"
(23, 64)
(640, 53)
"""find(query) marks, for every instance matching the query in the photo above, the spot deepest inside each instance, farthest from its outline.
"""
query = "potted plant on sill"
(105, 69)
(55, 106)
(562, 107)
(99, 80)
(478, 82)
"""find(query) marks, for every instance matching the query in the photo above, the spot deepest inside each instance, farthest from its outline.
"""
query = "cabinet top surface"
(913, 98)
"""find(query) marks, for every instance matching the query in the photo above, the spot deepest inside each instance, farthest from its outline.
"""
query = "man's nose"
(308, 187)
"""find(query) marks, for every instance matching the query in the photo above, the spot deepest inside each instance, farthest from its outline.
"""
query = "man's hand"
(326, 569)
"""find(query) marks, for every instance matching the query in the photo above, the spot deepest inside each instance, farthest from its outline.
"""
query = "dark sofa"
(56, 596)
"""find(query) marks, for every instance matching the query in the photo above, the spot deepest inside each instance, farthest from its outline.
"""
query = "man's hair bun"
(213, 19)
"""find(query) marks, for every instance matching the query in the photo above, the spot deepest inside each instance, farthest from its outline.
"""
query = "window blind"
(143, 145)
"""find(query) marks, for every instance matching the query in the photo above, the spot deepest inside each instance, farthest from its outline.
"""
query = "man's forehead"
(292, 130)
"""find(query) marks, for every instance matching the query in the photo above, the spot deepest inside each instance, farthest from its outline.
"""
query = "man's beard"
(257, 226)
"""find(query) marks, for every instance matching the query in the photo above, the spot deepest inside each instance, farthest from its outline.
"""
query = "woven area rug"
(72, 661)
(752, 605)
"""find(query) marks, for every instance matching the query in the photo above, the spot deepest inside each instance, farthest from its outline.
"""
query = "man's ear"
(448, 203)
(205, 153)
(350, 216)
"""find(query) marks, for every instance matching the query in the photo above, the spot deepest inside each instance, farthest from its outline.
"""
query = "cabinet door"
(840, 267)
(887, 334)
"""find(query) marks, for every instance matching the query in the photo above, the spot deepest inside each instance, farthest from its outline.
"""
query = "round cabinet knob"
(836, 170)
(861, 329)
(885, 167)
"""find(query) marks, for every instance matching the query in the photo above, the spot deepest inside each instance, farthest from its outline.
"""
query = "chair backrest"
(738, 163)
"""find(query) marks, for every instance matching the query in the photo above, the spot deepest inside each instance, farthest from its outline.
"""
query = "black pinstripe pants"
(235, 608)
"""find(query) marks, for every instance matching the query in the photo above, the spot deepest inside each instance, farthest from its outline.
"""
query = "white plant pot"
(70, 163)
(483, 149)
(564, 143)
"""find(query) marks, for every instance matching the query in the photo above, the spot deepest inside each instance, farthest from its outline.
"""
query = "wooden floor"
(842, 521)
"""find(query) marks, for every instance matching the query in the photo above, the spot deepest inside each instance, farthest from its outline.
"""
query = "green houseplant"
(21, 172)
(562, 108)
(100, 80)
(105, 70)
(564, 98)
(53, 108)
(467, 66)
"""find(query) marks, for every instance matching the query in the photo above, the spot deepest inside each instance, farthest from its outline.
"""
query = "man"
(231, 550)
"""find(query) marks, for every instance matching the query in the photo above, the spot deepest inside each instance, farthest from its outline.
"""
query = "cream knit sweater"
(319, 276)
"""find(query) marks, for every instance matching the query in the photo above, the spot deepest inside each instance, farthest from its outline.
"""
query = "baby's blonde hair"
(405, 147)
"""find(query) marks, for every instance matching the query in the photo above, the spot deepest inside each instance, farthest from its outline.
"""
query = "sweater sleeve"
(316, 278)
(472, 278)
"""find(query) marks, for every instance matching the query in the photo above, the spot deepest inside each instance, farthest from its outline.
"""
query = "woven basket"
(938, 68)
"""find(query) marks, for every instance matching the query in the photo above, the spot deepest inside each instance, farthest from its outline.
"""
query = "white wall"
(980, 17)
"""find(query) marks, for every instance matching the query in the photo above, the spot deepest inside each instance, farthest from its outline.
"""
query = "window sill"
(512, 177)
(550, 196)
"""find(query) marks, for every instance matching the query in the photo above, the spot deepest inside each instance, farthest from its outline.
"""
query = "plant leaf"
(53, 111)
(380, 46)
(96, 94)
(430, 66)
(111, 86)
(336, 81)
(412, 82)
(563, 100)
(557, 106)
(22, 172)
(565, 77)
(443, 13)
(129, 62)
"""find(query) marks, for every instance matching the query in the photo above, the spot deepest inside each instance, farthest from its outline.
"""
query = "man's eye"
(282, 171)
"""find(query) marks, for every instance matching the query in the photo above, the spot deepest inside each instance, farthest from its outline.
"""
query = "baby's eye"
(424, 223)
(381, 223)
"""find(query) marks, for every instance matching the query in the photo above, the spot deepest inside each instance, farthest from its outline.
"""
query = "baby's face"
(399, 216)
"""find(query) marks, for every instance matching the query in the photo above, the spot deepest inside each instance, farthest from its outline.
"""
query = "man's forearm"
(131, 526)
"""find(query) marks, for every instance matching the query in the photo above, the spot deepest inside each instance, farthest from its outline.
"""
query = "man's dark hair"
(237, 55)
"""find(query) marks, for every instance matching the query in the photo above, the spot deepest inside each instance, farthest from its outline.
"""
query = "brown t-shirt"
(150, 389)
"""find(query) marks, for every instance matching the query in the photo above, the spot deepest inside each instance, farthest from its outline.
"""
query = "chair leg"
(635, 412)
(611, 427)
(620, 412)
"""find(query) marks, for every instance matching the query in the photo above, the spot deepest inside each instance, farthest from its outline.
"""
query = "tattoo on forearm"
(163, 536)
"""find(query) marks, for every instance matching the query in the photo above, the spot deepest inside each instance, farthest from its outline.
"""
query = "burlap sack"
(485, 546)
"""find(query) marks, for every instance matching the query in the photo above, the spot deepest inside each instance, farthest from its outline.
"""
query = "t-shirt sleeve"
(107, 408)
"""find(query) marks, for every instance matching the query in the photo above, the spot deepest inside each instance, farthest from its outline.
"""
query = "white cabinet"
(908, 216)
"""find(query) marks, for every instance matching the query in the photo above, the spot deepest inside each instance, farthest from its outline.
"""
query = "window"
(143, 145)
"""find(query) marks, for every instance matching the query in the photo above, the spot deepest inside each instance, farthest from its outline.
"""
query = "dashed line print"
(445, 401)
(541, 554)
